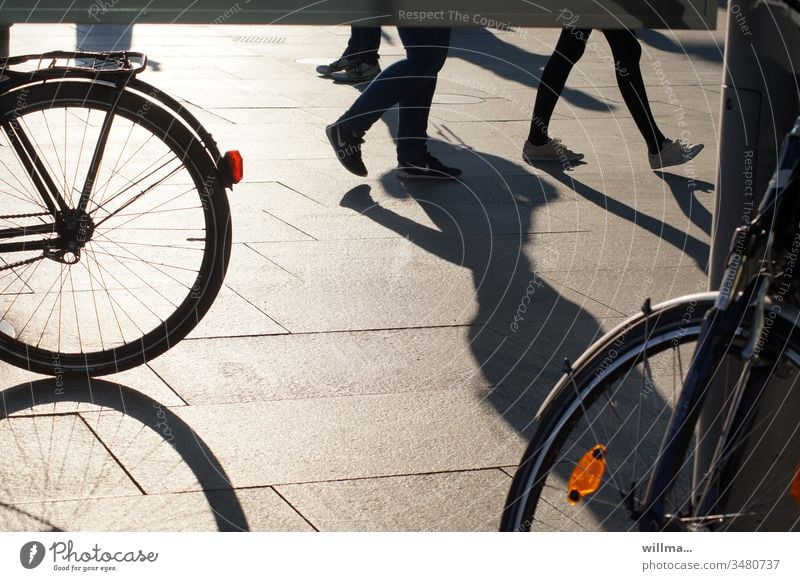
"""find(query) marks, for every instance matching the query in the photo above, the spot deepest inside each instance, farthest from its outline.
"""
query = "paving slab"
(27, 393)
(445, 358)
(56, 457)
(283, 442)
(263, 509)
(379, 348)
(466, 501)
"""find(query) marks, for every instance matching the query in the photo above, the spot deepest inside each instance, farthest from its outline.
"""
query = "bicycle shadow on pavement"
(72, 445)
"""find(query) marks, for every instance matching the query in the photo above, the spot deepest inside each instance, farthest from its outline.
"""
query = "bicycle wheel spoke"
(115, 281)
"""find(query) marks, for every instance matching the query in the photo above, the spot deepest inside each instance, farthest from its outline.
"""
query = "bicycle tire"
(159, 275)
(574, 418)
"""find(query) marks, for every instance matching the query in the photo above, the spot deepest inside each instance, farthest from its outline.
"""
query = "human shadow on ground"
(58, 467)
(526, 323)
(695, 248)
(481, 47)
(495, 224)
(683, 189)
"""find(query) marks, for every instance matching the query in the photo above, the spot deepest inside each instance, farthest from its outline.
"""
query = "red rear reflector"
(796, 485)
(235, 165)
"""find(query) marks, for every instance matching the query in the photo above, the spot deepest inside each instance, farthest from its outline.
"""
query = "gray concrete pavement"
(359, 371)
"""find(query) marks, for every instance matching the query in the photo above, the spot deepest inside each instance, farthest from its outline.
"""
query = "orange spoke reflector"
(587, 474)
(796, 485)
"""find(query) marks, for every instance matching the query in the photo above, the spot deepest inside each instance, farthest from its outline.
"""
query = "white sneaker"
(674, 153)
(553, 150)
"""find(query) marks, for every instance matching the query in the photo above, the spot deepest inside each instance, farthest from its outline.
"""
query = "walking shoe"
(339, 64)
(428, 169)
(553, 150)
(358, 73)
(347, 146)
(673, 153)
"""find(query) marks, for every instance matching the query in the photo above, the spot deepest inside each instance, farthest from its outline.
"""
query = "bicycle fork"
(717, 333)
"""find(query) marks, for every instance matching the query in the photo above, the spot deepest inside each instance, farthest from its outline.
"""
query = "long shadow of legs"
(44, 427)
(695, 248)
(523, 326)
(481, 47)
(684, 189)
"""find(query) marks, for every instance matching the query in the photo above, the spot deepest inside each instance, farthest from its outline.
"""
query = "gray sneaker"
(339, 64)
(553, 150)
(358, 73)
(674, 153)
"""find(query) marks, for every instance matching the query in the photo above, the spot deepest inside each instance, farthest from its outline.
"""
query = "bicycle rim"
(620, 397)
(156, 219)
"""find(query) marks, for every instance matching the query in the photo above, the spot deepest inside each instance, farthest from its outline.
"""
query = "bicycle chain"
(15, 216)
(20, 263)
(29, 260)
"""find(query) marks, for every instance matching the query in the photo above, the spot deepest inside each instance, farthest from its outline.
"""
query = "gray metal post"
(759, 105)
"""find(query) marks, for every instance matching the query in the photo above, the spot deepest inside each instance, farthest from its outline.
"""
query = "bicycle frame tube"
(719, 329)
(100, 147)
(30, 160)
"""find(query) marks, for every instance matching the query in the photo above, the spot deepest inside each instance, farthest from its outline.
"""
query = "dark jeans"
(410, 83)
(363, 44)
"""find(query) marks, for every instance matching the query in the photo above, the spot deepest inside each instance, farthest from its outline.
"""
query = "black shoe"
(339, 64)
(358, 73)
(347, 146)
(429, 169)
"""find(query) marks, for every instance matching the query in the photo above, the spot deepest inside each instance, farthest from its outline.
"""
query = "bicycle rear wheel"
(610, 414)
(156, 230)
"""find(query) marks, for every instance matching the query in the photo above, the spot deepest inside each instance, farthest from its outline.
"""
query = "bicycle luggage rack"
(107, 63)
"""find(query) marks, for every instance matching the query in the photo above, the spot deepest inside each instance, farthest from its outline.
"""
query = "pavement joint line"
(380, 477)
(259, 309)
(339, 331)
(295, 190)
(294, 508)
(596, 300)
(15, 507)
(292, 226)
(339, 396)
(112, 455)
(167, 384)
(210, 112)
(268, 259)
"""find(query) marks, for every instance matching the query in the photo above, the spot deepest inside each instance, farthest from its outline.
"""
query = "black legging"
(626, 51)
